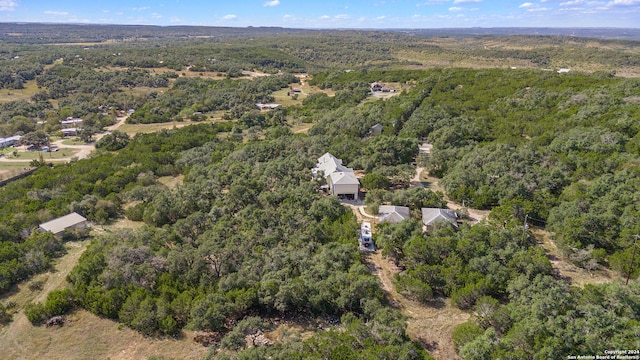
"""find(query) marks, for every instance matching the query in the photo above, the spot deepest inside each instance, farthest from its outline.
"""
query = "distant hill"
(43, 33)
(599, 33)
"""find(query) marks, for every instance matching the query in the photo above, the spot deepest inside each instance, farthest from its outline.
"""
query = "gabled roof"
(393, 214)
(329, 164)
(326, 157)
(60, 224)
(432, 215)
(344, 178)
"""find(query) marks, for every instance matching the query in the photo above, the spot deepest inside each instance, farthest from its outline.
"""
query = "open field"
(30, 88)
(33, 155)
(8, 170)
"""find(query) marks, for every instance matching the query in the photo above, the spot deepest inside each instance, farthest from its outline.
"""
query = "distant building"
(69, 131)
(71, 121)
(376, 86)
(10, 141)
(262, 106)
(376, 129)
(70, 221)
(432, 216)
(393, 214)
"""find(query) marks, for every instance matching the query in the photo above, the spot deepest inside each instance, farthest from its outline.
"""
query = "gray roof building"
(393, 214)
(431, 216)
(56, 226)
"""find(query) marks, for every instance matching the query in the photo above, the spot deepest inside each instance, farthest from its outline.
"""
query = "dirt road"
(430, 324)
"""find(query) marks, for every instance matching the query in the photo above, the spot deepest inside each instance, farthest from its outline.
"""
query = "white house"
(328, 164)
(262, 106)
(432, 216)
(57, 226)
(393, 214)
(71, 121)
(344, 184)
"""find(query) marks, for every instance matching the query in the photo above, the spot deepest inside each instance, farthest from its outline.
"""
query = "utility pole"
(525, 226)
(633, 255)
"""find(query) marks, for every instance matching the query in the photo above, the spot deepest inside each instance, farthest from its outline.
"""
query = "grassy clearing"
(301, 128)
(9, 169)
(171, 181)
(33, 155)
(74, 140)
(133, 129)
(30, 88)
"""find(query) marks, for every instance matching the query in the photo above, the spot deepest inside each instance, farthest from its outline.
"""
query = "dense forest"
(247, 237)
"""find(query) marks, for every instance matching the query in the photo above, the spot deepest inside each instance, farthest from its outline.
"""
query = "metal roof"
(60, 224)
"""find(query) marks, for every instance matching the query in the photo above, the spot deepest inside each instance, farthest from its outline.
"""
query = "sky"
(330, 14)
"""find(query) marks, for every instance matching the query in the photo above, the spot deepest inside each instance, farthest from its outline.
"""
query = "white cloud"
(531, 7)
(56, 13)
(8, 5)
(325, 17)
(156, 16)
(432, 2)
(381, 17)
(230, 17)
(571, 3)
(456, 9)
(466, 1)
(342, 17)
(142, 8)
(623, 2)
(272, 3)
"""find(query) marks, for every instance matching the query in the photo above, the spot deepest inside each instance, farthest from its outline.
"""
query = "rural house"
(393, 214)
(341, 180)
(70, 221)
(433, 216)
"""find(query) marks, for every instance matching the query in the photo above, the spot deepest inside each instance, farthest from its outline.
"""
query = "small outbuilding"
(433, 216)
(376, 129)
(70, 221)
(393, 214)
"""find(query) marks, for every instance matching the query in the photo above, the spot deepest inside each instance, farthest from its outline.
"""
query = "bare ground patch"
(171, 181)
(576, 275)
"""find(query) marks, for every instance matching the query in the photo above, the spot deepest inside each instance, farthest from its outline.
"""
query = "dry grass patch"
(171, 181)
(87, 336)
(576, 275)
(8, 95)
(9, 170)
